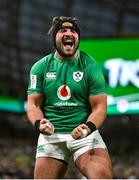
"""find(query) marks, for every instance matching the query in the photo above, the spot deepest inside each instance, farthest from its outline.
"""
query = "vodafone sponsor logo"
(65, 104)
(63, 92)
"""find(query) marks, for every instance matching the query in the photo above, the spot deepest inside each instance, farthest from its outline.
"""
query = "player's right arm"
(35, 114)
(34, 104)
(35, 99)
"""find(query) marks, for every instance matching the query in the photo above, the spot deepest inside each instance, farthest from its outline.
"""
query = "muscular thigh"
(95, 163)
(49, 168)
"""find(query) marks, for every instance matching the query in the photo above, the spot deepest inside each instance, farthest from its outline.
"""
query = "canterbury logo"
(51, 75)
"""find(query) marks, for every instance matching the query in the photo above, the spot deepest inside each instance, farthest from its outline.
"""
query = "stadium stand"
(23, 40)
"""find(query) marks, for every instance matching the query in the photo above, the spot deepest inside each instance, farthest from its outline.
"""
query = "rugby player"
(67, 104)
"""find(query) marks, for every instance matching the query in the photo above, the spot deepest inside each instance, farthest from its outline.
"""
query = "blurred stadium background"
(23, 40)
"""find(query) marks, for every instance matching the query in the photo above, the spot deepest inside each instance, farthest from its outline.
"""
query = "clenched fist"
(46, 127)
(80, 131)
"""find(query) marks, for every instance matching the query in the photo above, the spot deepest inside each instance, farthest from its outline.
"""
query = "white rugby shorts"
(63, 146)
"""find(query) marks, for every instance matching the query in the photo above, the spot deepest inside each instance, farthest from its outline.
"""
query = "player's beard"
(61, 49)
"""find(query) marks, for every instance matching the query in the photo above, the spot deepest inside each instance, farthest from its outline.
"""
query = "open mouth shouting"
(68, 42)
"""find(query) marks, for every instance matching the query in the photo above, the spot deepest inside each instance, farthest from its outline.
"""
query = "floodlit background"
(109, 29)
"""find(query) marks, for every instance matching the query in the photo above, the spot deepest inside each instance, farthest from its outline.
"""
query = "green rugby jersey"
(66, 86)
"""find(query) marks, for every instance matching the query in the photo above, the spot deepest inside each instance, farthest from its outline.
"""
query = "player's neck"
(66, 58)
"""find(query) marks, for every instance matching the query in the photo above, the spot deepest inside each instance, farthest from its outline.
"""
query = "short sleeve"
(36, 78)
(96, 81)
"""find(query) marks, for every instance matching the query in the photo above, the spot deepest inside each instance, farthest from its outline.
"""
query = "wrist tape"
(91, 126)
(37, 125)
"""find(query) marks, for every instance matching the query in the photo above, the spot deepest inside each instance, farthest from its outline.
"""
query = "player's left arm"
(97, 100)
(97, 116)
(99, 109)
(97, 97)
